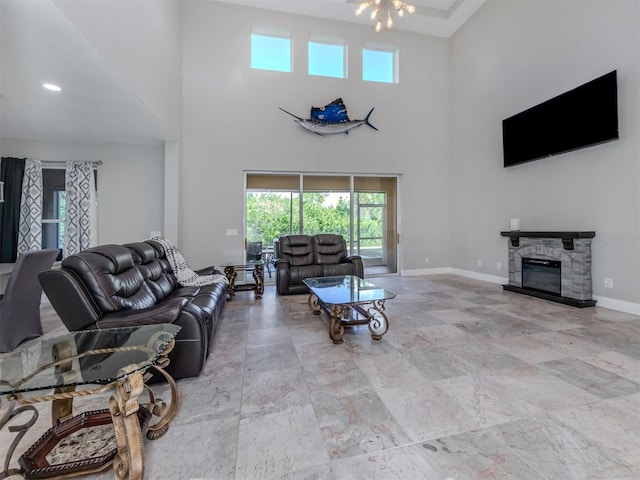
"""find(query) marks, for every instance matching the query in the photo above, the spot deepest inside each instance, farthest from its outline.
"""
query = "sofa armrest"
(166, 312)
(358, 266)
(208, 271)
(69, 298)
(282, 276)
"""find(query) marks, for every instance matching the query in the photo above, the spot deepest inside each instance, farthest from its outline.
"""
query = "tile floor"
(470, 382)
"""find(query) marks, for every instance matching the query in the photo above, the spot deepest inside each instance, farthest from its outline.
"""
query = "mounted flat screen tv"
(582, 117)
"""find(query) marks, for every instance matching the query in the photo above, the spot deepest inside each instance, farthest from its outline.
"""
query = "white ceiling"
(38, 44)
(432, 17)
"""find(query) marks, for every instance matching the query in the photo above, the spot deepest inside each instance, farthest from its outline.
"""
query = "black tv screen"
(584, 116)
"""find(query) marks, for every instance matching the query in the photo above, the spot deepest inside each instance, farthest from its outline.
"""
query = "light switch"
(232, 232)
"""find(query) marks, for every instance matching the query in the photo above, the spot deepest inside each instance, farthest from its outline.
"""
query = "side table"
(110, 359)
(257, 272)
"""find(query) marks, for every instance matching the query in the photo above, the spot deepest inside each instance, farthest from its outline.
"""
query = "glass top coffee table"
(349, 300)
(50, 370)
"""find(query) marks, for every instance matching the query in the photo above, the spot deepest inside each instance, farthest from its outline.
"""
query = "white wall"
(509, 57)
(142, 43)
(141, 40)
(232, 123)
(130, 183)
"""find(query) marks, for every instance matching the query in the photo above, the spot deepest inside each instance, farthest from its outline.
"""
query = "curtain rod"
(62, 164)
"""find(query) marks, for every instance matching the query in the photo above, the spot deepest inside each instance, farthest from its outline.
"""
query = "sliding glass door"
(376, 222)
(361, 209)
(370, 239)
(271, 214)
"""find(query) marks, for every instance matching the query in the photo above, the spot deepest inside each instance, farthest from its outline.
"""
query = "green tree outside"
(271, 215)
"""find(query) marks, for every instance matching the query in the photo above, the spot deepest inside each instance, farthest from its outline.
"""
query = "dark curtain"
(11, 173)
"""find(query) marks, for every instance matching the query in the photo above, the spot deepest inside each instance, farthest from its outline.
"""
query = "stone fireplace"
(551, 265)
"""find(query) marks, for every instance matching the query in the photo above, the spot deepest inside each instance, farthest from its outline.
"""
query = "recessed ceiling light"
(52, 87)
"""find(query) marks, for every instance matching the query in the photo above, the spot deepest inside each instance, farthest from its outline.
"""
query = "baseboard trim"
(455, 271)
(424, 271)
(479, 276)
(618, 305)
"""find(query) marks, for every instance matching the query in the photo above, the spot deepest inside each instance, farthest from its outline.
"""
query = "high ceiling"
(39, 44)
(432, 17)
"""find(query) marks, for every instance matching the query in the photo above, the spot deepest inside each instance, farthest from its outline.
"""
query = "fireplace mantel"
(567, 237)
(518, 233)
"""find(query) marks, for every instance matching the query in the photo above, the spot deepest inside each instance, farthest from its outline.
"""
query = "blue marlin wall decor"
(330, 119)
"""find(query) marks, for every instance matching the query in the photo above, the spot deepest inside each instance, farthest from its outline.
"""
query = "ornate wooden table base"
(81, 445)
(124, 412)
(371, 313)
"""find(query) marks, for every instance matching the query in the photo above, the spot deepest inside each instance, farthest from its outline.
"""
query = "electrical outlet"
(479, 262)
(608, 282)
(426, 259)
(498, 266)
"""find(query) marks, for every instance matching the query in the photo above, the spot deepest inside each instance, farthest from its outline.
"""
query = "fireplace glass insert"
(541, 275)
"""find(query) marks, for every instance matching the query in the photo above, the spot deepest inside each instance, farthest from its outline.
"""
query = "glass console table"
(100, 361)
(349, 300)
(255, 268)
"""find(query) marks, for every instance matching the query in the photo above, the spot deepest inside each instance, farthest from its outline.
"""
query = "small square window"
(326, 59)
(271, 53)
(378, 65)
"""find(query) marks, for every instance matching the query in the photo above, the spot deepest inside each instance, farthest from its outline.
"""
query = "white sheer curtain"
(81, 225)
(30, 226)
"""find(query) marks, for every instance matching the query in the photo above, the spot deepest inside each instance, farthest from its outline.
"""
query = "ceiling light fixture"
(382, 7)
(52, 87)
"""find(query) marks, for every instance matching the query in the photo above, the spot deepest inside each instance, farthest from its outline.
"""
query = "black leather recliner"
(124, 285)
(304, 256)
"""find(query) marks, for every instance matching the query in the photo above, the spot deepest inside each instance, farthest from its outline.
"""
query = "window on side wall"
(54, 207)
(378, 65)
(270, 52)
(327, 59)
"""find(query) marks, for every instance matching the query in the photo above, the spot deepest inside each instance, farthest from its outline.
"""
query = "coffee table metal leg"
(128, 462)
(160, 409)
(20, 431)
(314, 304)
(62, 408)
(336, 330)
(258, 277)
(157, 406)
(230, 273)
(378, 322)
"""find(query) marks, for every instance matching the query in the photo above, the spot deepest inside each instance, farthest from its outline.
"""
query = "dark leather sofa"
(304, 256)
(123, 285)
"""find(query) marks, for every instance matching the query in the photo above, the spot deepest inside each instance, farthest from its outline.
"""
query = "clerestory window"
(270, 52)
(378, 65)
(327, 59)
